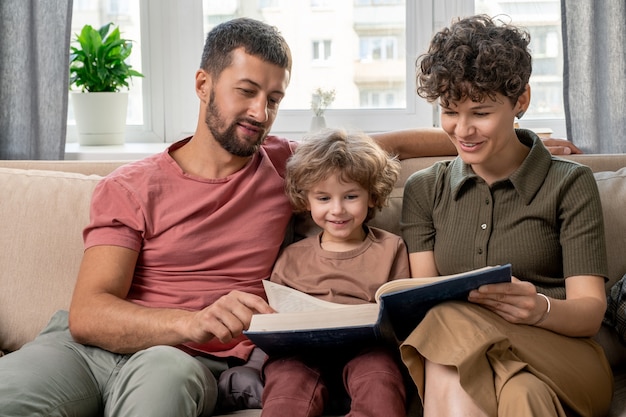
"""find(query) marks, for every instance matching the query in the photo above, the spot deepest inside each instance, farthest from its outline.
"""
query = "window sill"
(127, 151)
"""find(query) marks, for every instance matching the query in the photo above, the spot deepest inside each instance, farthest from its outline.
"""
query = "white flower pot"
(100, 117)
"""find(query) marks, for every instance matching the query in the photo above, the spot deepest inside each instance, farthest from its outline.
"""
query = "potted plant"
(319, 103)
(98, 68)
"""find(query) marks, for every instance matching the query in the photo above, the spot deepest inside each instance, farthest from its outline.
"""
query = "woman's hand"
(579, 315)
(516, 301)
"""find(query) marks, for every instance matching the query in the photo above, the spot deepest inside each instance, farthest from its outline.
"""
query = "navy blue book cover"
(405, 309)
(388, 322)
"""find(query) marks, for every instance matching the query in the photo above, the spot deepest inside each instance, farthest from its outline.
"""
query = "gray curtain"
(594, 74)
(34, 78)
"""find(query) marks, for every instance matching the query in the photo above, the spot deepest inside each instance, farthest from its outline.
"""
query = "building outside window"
(542, 19)
(322, 51)
(364, 49)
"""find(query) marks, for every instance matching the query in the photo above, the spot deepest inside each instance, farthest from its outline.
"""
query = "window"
(321, 3)
(380, 99)
(118, 7)
(542, 19)
(321, 51)
(358, 48)
(375, 2)
(378, 48)
(365, 49)
(126, 15)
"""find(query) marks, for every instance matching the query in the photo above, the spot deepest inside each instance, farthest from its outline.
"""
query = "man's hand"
(100, 315)
(561, 146)
(226, 318)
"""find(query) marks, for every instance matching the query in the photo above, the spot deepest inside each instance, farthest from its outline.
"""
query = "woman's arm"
(579, 315)
(423, 264)
(586, 301)
(518, 302)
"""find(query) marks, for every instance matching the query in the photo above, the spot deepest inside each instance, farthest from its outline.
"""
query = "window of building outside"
(364, 49)
(358, 48)
(321, 51)
(542, 19)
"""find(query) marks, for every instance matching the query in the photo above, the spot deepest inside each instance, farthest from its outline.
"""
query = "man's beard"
(228, 138)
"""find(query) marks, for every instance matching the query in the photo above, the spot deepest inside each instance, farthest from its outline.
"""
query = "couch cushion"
(389, 217)
(612, 187)
(42, 214)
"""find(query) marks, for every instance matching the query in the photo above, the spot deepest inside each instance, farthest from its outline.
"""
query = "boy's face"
(339, 208)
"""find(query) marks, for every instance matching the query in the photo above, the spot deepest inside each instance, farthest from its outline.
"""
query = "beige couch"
(44, 206)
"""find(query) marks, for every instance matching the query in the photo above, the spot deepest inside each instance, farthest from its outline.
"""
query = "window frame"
(172, 45)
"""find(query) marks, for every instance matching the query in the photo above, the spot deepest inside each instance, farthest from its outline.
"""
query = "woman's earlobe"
(520, 114)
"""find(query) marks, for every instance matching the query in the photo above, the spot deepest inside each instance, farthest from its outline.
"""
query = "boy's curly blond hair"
(354, 156)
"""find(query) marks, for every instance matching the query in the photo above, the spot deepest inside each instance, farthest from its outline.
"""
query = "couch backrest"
(612, 187)
(44, 208)
(42, 214)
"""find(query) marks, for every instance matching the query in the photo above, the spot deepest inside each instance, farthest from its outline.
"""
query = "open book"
(303, 322)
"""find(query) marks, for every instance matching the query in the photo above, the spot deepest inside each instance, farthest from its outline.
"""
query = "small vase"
(317, 123)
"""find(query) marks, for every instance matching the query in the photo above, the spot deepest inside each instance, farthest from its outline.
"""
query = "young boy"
(341, 179)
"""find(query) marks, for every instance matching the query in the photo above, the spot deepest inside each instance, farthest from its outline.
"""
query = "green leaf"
(98, 59)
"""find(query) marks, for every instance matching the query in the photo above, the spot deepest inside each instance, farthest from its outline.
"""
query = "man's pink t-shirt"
(198, 239)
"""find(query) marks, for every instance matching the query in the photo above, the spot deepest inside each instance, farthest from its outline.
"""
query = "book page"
(344, 316)
(284, 299)
(402, 284)
(406, 283)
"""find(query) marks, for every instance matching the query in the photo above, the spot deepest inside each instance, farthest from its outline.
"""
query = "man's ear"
(203, 82)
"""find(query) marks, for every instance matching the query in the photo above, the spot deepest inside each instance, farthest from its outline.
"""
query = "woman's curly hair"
(354, 157)
(475, 58)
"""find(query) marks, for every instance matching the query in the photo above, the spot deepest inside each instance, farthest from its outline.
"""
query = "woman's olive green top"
(545, 219)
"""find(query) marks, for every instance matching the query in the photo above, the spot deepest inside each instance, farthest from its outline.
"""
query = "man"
(175, 252)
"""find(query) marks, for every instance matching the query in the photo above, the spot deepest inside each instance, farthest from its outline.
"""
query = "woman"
(520, 348)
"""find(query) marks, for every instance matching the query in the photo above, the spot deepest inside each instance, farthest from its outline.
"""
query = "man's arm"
(413, 143)
(560, 146)
(418, 142)
(100, 315)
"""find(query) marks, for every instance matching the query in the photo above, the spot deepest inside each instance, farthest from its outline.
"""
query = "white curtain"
(594, 74)
(34, 65)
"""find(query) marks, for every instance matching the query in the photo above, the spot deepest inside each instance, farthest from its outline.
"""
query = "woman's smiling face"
(482, 131)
